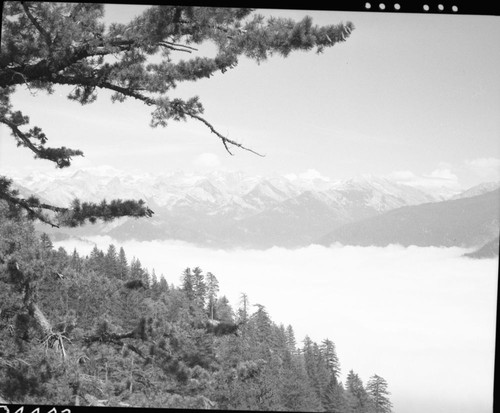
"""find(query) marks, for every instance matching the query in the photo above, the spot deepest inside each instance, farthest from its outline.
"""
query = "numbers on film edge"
(37, 410)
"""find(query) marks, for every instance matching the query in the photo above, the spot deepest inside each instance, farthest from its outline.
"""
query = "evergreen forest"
(100, 330)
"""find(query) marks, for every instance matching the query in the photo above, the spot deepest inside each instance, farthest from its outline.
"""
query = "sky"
(411, 96)
(422, 318)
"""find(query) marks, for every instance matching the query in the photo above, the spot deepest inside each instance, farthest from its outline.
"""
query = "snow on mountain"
(264, 194)
(381, 194)
(231, 207)
(478, 190)
(467, 222)
(218, 189)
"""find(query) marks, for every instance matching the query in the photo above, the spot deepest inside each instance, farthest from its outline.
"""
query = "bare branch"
(224, 139)
(182, 45)
(163, 44)
(177, 47)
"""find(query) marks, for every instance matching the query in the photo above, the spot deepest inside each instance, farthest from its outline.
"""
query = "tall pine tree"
(377, 389)
(212, 291)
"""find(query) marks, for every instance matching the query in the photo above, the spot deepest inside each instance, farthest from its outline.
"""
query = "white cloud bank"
(442, 176)
(207, 160)
(310, 174)
(423, 318)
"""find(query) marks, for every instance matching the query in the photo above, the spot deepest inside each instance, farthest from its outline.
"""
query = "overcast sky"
(406, 95)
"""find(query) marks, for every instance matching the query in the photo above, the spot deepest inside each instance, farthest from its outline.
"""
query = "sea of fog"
(422, 318)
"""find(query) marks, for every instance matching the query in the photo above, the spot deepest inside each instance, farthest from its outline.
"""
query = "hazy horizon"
(431, 178)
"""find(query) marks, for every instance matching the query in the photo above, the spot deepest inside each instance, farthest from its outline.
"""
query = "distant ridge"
(465, 222)
(236, 210)
(478, 190)
(488, 250)
(226, 209)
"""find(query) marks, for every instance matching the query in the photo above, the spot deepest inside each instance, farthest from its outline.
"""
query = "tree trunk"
(41, 321)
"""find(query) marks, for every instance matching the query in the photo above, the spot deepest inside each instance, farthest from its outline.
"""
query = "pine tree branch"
(94, 82)
(17, 132)
(44, 69)
(148, 101)
(256, 39)
(78, 213)
(33, 209)
(60, 156)
(37, 24)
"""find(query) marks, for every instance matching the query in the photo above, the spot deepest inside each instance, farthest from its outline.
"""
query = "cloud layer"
(439, 177)
(207, 160)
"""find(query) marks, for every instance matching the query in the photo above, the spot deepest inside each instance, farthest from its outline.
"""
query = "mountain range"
(466, 222)
(236, 210)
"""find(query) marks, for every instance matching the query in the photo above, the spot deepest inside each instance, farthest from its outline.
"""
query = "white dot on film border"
(381, 6)
(368, 6)
(397, 6)
(454, 8)
(440, 7)
(426, 7)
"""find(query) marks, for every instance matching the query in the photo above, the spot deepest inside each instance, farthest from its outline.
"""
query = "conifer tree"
(199, 287)
(330, 355)
(212, 290)
(146, 278)
(308, 354)
(377, 389)
(136, 270)
(46, 45)
(154, 280)
(319, 373)
(263, 328)
(46, 242)
(123, 268)
(188, 284)
(243, 310)
(76, 261)
(358, 400)
(111, 265)
(224, 310)
(163, 284)
(96, 259)
(290, 339)
(334, 399)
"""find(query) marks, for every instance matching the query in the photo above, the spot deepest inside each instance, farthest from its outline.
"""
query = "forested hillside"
(100, 330)
(465, 222)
